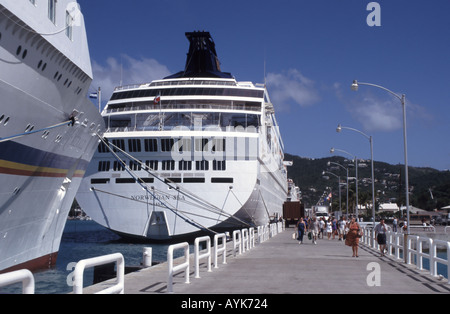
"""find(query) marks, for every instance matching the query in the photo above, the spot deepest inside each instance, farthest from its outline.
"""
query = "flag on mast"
(157, 99)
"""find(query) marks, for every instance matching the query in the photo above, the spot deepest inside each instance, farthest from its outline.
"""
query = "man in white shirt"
(380, 234)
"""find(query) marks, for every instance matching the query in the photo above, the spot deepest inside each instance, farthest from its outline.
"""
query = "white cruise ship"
(194, 152)
(47, 126)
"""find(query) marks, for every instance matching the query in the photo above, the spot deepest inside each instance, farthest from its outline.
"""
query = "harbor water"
(82, 240)
(87, 239)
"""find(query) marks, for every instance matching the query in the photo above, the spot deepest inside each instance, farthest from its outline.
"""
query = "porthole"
(45, 134)
(0, 36)
(24, 54)
(56, 75)
(2, 117)
(39, 64)
(19, 50)
(44, 67)
(6, 121)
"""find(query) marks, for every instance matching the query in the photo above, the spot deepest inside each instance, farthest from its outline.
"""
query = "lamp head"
(339, 128)
(331, 150)
(355, 85)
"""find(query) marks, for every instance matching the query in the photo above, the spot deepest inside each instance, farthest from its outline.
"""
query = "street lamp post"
(339, 186)
(402, 98)
(339, 129)
(346, 169)
(356, 174)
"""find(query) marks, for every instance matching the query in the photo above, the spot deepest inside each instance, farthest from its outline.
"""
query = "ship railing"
(117, 258)
(199, 256)
(413, 249)
(24, 276)
(183, 266)
(177, 106)
(175, 127)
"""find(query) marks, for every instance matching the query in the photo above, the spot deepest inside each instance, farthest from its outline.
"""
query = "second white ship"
(193, 152)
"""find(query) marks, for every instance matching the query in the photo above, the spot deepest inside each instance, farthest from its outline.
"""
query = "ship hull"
(47, 132)
(249, 193)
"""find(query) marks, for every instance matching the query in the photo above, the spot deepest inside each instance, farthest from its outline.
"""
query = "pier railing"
(24, 276)
(243, 240)
(412, 249)
(118, 288)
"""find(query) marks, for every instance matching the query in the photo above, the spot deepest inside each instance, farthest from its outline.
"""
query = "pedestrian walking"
(314, 229)
(329, 228)
(394, 225)
(341, 224)
(301, 227)
(353, 236)
(380, 234)
(334, 227)
(321, 226)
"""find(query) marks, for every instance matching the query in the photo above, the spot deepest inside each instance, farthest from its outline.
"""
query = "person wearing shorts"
(380, 234)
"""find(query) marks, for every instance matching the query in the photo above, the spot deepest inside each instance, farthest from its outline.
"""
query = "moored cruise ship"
(194, 152)
(48, 126)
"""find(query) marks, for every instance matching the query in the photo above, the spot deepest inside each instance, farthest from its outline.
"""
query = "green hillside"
(389, 182)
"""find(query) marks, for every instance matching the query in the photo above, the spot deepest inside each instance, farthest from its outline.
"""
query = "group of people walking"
(318, 227)
(350, 231)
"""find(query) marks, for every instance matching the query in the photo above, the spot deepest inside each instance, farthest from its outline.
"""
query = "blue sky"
(308, 52)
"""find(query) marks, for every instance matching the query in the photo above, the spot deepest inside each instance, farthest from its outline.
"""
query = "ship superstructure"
(48, 126)
(194, 152)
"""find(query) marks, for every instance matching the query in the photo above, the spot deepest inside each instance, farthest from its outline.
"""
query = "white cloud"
(125, 72)
(291, 87)
(377, 115)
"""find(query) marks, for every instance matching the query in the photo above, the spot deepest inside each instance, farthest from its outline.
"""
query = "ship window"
(184, 145)
(152, 164)
(102, 148)
(151, 145)
(219, 165)
(99, 181)
(125, 180)
(184, 165)
(194, 180)
(103, 166)
(52, 11)
(120, 143)
(118, 166)
(218, 145)
(200, 144)
(69, 25)
(147, 180)
(134, 145)
(202, 165)
(167, 144)
(221, 180)
(135, 166)
(168, 165)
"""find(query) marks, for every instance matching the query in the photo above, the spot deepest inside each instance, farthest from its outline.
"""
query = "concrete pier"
(281, 265)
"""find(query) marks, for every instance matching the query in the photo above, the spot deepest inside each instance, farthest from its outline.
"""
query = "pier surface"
(281, 265)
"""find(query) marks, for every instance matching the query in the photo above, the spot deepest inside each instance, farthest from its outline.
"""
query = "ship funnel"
(202, 60)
